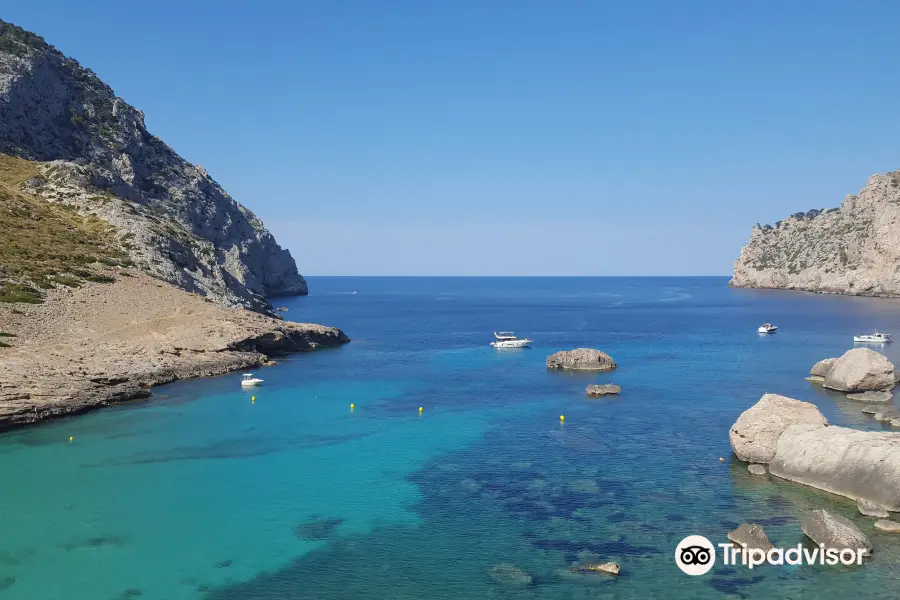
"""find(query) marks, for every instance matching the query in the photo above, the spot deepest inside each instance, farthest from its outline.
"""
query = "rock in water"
(871, 509)
(870, 410)
(510, 575)
(751, 536)
(854, 249)
(871, 397)
(854, 464)
(834, 531)
(886, 415)
(610, 568)
(887, 526)
(822, 368)
(99, 158)
(755, 434)
(602, 390)
(581, 359)
(861, 370)
(757, 469)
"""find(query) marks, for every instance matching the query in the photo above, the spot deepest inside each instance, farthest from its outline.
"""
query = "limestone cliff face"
(854, 249)
(175, 220)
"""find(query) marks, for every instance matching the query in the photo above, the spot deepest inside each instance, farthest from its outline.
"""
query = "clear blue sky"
(518, 137)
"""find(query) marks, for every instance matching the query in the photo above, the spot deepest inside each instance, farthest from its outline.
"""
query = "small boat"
(249, 380)
(507, 339)
(876, 337)
(767, 328)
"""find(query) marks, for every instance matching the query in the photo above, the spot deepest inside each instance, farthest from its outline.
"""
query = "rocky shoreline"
(103, 344)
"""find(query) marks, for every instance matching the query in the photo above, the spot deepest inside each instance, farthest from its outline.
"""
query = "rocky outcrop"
(822, 368)
(581, 359)
(755, 469)
(755, 434)
(887, 526)
(751, 536)
(602, 389)
(847, 462)
(609, 568)
(871, 397)
(854, 249)
(98, 158)
(834, 531)
(861, 370)
(871, 509)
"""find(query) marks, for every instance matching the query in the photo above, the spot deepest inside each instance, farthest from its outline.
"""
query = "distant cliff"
(854, 249)
(96, 157)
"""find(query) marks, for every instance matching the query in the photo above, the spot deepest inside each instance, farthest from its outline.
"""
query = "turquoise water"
(202, 494)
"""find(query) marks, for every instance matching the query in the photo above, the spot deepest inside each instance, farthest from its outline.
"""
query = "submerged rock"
(755, 434)
(871, 509)
(871, 397)
(511, 575)
(581, 359)
(610, 568)
(317, 528)
(602, 390)
(855, 464)
(834, 531)
(751, 536)
(757, 469)
(887, 526)
(861, 370)
(870, 410)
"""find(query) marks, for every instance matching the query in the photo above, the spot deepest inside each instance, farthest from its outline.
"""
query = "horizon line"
(527, 276)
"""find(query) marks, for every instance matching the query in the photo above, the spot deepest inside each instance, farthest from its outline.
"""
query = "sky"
(473, 137)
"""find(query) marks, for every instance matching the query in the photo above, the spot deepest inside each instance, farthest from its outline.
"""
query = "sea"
(328, 482)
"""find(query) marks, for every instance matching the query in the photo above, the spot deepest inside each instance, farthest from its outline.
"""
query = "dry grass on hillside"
(44, 245)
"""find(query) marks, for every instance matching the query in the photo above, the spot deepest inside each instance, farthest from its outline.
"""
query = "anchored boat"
(507, 339)
(767, 328)
(876, 337)
(249, 380)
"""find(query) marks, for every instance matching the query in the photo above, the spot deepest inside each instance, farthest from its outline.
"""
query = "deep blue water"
(201, 493)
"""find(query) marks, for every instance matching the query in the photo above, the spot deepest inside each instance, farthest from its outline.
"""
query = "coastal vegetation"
(45, 244)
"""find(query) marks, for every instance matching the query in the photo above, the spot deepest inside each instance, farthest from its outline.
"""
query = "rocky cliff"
(95, 156)
(854, 249)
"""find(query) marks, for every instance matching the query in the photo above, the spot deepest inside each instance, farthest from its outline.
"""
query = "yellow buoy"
(352, 406)
(421, 409)
(562, 418)
(252, 398)
(71, 438)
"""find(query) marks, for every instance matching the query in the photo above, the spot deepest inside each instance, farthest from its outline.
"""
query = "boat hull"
(863, 339)
(511, 344)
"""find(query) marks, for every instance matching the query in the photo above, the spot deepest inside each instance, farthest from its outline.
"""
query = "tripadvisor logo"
(696, 555)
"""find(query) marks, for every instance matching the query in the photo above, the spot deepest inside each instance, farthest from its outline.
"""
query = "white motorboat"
(249, 380)
(767, 328)
(876, 337)
(507, 339)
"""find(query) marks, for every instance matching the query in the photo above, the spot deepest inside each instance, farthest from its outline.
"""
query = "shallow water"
(201, 493)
